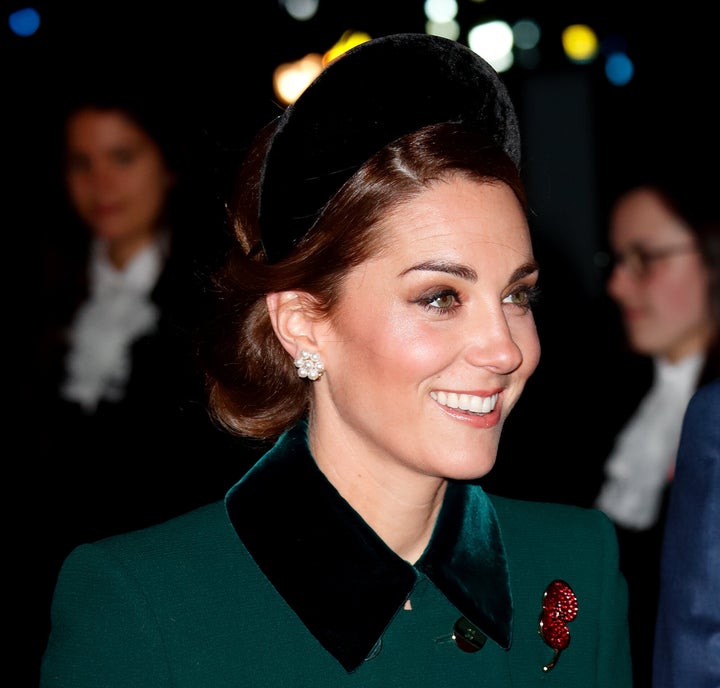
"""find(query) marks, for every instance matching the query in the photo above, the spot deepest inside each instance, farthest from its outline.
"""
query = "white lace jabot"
(644, 453)
(117, 312)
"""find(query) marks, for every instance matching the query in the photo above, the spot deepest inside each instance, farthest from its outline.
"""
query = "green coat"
(283, 584)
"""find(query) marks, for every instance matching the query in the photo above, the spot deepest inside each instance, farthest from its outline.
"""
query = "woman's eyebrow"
(466, 272)
(456, 269)
(528, 268)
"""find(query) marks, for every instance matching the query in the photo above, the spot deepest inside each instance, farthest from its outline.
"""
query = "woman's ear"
(293, 320)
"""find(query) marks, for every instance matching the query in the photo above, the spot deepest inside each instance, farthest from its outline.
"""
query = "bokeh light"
(348, 40)
(526, 33)
(448, 29)
(580, 43)
(292, 78)
(24, 22)
(441, 11)
(619, 69)
(493, 41)
(302, 10)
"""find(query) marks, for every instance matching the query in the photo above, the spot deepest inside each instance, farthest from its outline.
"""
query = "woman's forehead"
(457, 206)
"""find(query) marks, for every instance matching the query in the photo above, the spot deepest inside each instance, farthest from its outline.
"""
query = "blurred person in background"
(651, 339)
(664, 237)
(113, 375)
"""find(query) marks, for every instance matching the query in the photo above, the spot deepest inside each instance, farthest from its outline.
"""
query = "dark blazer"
(687, 639)
(284, 584)
(122, 467)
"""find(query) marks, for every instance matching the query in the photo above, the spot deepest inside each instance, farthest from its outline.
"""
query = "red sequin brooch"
(559, 607)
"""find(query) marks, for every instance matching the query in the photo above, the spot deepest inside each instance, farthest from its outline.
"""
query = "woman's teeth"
(466, 402)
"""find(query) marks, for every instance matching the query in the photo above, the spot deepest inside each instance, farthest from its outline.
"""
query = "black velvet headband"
(370, 96)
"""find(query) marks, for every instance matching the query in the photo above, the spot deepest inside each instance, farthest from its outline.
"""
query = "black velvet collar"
(340, 578)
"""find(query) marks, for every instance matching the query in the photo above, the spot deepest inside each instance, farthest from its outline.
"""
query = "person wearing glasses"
(665, 280)
(622, 374)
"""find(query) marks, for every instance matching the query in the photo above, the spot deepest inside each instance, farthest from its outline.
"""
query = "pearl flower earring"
(309, 365)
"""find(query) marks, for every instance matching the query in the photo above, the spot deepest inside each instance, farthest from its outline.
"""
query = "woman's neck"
(401, 506)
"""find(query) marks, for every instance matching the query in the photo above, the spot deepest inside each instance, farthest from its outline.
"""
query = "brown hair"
(253, 387)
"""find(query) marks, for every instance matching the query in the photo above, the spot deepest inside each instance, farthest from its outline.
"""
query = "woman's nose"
(621, 277)
(491, 343)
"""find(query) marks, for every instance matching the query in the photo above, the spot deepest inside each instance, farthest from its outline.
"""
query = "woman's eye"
(444, 300)
(524, 297)
(125, 156)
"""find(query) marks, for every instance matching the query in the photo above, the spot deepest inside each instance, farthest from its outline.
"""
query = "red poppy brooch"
(559, 607)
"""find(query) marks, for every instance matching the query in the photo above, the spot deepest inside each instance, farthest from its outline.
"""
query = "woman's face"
(660, 281)
(433, 339)
(116, 176)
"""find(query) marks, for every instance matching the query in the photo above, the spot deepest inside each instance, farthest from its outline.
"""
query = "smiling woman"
(375, 324)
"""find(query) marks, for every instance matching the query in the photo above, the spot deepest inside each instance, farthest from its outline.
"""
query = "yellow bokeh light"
(292, 78)
(580, 43)
(348, 40)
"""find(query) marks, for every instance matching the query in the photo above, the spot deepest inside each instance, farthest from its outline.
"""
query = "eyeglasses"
(639, 260)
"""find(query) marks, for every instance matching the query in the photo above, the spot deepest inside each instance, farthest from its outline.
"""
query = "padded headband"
(368, 97)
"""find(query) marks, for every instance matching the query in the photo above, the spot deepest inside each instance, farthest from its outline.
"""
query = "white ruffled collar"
(643, 457)
(117, 313)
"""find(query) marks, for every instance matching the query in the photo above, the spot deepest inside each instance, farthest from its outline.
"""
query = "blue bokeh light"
(24, 22)
(619, 69)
